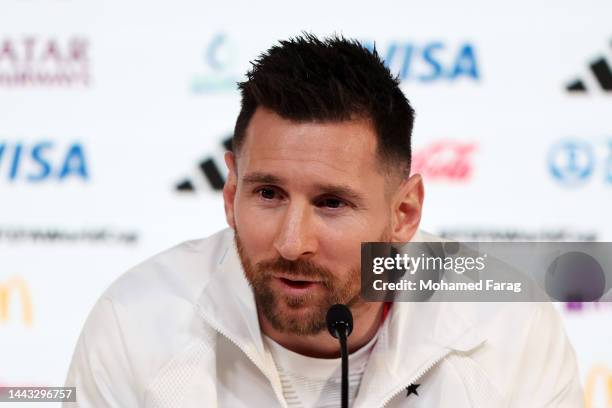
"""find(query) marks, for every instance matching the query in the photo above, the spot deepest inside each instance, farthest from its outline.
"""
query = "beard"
(305, 314)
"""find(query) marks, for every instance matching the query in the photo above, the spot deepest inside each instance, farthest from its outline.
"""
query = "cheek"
(349, 235)
(342, 246)
(256, 232)
(344, 256)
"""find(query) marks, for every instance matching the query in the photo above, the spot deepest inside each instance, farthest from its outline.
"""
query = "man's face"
(301, 198)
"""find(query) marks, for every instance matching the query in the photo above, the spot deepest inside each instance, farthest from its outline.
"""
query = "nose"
(296, 235)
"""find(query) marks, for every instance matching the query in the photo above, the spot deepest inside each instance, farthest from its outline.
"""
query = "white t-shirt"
(310, 382)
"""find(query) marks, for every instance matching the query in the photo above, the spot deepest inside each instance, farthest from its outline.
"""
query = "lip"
(296, 278)
(295, 285)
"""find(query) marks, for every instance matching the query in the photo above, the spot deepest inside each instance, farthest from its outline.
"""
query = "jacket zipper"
(420, 374)
(253, 360)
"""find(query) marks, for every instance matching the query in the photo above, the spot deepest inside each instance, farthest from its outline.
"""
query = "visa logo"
(42, 161)
(429, 62)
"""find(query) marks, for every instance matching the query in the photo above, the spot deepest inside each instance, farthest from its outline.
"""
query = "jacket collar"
(414, 336)
(227, 301)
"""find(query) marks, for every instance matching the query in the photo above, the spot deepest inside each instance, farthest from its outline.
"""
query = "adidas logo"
(210, 170)
(601, 77)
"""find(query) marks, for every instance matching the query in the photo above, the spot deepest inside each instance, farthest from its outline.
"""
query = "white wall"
(136, 94)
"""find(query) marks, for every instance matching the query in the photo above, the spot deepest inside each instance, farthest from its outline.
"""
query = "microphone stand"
(345, 370)
(339, 321)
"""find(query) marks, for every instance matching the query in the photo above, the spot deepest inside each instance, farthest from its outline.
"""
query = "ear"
(229, 189)
(407, 208)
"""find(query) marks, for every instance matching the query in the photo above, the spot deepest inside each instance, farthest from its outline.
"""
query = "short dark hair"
(333, 79)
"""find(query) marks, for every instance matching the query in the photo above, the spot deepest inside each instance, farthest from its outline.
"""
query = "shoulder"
(526, 352)
(158, 298)
(145, 319)
(179, 272)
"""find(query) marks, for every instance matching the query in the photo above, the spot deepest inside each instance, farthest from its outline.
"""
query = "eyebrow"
(341, 191)
(258, 177)
(326, 188)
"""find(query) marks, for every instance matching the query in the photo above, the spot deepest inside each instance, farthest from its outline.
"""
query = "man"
(320, 163)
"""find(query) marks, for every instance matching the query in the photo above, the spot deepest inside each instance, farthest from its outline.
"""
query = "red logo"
(445, 160)
(31, 60)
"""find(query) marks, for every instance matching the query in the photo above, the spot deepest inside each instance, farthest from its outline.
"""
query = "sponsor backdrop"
(114, 117)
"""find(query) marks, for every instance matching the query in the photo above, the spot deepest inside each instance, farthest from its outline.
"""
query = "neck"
(367, 317)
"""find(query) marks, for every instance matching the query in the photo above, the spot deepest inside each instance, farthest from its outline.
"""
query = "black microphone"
(340, 325)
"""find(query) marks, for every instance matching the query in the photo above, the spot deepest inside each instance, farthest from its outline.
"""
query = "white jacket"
(181, 330)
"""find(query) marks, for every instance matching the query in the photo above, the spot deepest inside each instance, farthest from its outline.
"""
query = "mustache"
(299, 268)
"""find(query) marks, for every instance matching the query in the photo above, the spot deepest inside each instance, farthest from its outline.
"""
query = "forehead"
(333, 150)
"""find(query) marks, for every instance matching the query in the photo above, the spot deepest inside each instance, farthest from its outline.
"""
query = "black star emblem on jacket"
(412, 389)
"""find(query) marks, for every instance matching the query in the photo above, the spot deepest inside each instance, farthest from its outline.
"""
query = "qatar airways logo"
(445, 160)
(44, 61)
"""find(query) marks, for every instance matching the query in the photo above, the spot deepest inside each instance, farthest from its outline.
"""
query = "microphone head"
(339, 317)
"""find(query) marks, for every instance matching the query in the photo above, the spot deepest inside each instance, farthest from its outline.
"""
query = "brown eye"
(267, 193)
(331, 203)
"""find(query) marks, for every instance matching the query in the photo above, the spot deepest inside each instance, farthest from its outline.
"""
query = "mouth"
(297, 285)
